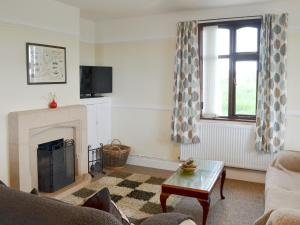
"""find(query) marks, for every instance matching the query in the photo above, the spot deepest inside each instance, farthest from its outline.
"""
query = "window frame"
(233, 57)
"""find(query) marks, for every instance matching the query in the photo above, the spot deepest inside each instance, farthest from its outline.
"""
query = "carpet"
(244, 201)
(243, 204)
(137, 195)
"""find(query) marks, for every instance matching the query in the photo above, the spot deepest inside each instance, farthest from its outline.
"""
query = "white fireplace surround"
(27, 129)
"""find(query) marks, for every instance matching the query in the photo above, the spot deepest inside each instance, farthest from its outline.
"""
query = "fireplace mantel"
(24, 126)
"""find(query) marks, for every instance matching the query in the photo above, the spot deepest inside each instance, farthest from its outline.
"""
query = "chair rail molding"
(294, 113)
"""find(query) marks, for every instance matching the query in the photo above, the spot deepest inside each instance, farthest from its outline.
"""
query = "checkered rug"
(137, 195)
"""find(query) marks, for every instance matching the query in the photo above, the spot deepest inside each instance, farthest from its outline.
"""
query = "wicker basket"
(115, 154)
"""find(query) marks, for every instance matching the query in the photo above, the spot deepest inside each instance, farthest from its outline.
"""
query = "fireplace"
(28, 129)
(56, 165)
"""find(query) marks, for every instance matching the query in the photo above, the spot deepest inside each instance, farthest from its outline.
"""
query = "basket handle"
(115, 140)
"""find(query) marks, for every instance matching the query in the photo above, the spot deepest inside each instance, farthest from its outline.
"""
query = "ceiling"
(111, 9)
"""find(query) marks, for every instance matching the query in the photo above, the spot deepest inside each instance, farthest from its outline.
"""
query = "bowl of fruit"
(188, 166)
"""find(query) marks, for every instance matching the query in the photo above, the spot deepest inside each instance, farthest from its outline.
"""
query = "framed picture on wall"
(46, 64)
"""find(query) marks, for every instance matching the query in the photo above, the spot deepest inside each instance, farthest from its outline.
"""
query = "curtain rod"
(230, 19)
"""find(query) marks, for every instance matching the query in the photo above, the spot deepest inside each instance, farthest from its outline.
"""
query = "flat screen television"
(95, 80)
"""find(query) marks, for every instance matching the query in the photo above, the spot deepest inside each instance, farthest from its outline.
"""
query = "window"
(229, 53)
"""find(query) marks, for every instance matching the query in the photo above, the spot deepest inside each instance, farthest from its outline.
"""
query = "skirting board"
(152, 162)
(231, 173)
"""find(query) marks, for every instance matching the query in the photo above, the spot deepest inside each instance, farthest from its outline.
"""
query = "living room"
(139, 41)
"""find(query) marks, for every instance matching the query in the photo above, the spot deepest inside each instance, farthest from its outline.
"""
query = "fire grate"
(56, 165)
(95, 159)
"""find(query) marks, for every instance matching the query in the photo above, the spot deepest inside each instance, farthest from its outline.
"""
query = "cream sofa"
(282, 191)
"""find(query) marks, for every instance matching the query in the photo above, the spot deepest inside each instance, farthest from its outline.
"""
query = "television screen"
(95, 80)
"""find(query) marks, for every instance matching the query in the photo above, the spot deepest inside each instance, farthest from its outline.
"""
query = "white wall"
(164, 26)
(87, 42)
(142, 94)
(87, 31)
(141, 51)
(44, 14)
(33, 21)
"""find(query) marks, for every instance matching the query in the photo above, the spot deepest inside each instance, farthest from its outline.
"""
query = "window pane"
(223, 41)
(246, 87)
(210, 74)
(223, 73)
(246, 39)
(215, 87)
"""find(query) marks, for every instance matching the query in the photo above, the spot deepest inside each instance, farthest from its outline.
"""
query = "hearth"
(56, 165)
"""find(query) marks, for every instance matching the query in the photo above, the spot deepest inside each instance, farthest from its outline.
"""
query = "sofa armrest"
(289, 160)
(263, 219)
(284, 216)
(22, 208)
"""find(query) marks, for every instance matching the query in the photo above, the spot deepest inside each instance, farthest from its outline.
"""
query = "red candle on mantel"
(53, 104)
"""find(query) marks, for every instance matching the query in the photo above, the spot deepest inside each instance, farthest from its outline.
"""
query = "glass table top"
(204, 177)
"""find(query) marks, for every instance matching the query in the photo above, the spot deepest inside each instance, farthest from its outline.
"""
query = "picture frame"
(46, 64)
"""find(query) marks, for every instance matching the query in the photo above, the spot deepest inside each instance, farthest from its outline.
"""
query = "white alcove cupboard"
(98, 120)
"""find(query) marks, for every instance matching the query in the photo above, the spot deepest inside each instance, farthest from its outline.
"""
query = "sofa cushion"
(276, 198)
(100, 200)
(188, 222)
(27, 209)
(288, 160)
(284, 179)
(114, 210)
(284, 216)
(169, 219)
(263, 219)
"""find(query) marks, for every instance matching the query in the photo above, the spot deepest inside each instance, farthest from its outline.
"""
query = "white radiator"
(231, 143)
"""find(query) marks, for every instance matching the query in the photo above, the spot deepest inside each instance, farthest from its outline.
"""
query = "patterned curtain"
(271, 96)
(186, 113)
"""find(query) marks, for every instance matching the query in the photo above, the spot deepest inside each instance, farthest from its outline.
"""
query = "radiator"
(231, 143)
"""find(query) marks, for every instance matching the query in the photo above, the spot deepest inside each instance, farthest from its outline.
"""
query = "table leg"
(163, 201)
(205, 205)
(222, 183)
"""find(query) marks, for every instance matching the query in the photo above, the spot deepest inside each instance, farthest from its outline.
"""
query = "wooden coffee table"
(198, 185)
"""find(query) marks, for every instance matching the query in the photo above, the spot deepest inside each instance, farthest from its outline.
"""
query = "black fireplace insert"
(56, 165)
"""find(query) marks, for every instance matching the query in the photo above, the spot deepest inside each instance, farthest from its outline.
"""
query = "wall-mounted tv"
(95, 80)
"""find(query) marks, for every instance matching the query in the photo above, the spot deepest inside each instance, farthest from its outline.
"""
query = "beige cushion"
(263, 219)
(284, 216)
(289, 160)
(276, 198)
(188, 222)
(284, 179)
